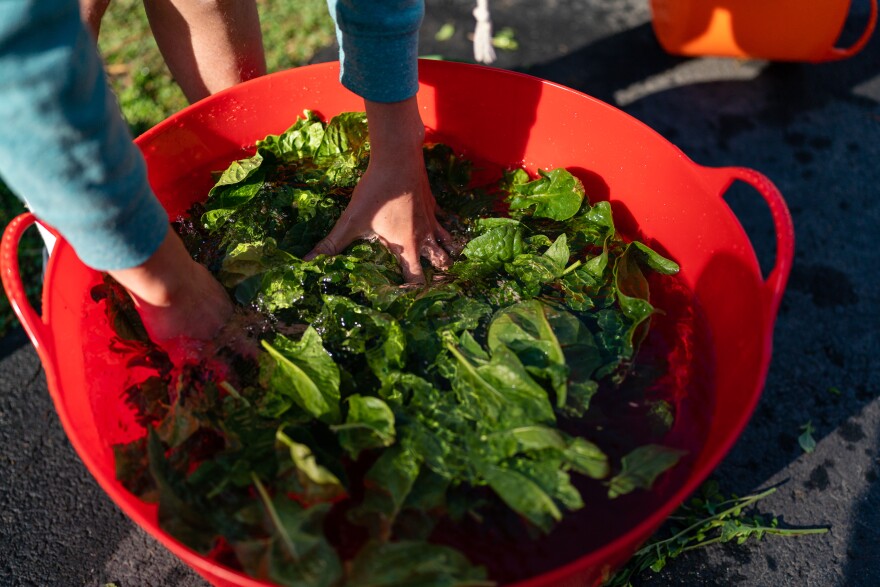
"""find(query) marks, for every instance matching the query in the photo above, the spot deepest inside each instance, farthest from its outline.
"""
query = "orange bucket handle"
(721, 179)
(32, 323)
(836, 53)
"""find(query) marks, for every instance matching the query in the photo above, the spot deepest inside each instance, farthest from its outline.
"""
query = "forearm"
(65, 147)
(378, 42)
(397, 133)
(158, 280)
(174, 295)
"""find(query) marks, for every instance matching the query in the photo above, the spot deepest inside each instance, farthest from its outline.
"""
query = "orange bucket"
(777, 30)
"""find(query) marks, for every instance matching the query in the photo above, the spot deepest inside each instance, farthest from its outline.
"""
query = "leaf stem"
(572, 267)
(234, 392)
(273, 515)
(739, 503)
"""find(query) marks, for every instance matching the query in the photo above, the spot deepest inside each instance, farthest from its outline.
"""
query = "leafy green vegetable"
(369, 424)
(305, 461)
(709, 518)
(236, 187)
(641, 467)
(387, 564)
(298, 554)
(302, 372)
(557, 195)
(388, 485)
(355, 416)
(806, 440)
(524, 495)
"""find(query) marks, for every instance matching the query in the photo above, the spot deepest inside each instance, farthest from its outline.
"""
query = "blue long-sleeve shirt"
(65, 148)
(378, 46)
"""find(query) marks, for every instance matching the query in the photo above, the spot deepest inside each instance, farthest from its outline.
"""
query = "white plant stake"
(483, 50)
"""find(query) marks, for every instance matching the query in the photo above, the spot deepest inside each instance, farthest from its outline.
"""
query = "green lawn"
(293, 31)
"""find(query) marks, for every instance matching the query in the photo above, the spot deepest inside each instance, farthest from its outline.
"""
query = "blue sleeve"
(378, 46)
(64, 146)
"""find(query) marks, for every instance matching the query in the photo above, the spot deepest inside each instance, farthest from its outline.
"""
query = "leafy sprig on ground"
(706, 519)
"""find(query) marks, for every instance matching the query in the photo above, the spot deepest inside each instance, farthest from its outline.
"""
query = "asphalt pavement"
(813, 129)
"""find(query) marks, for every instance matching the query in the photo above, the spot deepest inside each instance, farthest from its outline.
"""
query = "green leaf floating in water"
(557, 195)
(641, 467)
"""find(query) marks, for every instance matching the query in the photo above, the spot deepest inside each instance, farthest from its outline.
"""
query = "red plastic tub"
(657, 193)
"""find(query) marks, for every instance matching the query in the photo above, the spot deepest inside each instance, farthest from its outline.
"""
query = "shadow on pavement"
(14, 340)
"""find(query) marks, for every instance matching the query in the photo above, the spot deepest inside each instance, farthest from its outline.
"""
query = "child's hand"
(174, 295)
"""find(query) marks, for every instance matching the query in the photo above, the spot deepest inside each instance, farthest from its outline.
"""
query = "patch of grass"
(30, 260)
(293, 31)
(138, 75)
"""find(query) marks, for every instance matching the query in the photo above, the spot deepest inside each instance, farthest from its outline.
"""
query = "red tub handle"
(774, 284)
(32, 323)
(836, 53)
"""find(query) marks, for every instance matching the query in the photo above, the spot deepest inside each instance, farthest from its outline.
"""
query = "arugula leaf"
(707, 519)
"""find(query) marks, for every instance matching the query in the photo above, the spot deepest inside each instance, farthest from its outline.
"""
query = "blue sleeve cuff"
(379, 43)
(65, 148)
